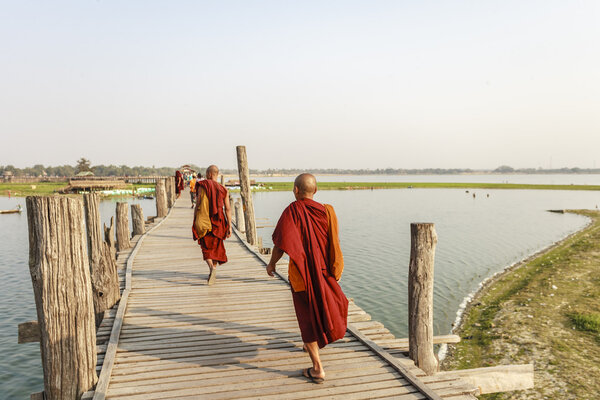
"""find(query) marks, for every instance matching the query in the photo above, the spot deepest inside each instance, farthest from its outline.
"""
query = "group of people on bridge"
(307, 232)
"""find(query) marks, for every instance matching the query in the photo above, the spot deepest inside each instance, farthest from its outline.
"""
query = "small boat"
(17, 210)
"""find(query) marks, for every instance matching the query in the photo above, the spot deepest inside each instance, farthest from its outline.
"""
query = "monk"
(179, 183)
(308, 232)
(211, 225)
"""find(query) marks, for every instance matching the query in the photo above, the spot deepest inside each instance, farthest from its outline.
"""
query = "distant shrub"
(586, 322)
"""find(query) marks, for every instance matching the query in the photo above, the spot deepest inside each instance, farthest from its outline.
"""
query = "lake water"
(554, 179)
(476, 238)
(20, 365)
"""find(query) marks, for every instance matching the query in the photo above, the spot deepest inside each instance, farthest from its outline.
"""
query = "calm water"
(476, 237)
(564, 179)
(20, 366)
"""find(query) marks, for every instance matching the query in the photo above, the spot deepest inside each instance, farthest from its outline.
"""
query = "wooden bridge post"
(59, 267)
(109, 236)
(170, 189)
(103, 268)
(122, 226)
(161, 198)
(137, 219)
(246, 192)
(239, 216)
(420, 297)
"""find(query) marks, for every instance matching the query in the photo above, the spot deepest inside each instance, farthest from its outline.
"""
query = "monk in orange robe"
(213, 207)
(308, 232)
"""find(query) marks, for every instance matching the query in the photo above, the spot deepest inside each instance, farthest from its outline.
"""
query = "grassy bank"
(280, 186)
(544, 311)
(44, 188)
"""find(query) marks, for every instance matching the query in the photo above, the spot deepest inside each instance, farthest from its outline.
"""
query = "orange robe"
(212, 241)
(307, 232)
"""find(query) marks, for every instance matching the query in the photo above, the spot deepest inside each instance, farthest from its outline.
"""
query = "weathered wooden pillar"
(161, 198)
(170, 189)
(122, 226)
(103, 268)
(137, 219)
(222, 179)
(60, 274)
(109, 236)
(246, 193)
(173, 191)
(239, 216)
(420, 297)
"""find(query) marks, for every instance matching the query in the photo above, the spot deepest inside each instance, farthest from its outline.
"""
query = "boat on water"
(16, 210)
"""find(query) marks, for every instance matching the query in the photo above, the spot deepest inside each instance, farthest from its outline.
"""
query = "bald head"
(212, 172)
(305, 186)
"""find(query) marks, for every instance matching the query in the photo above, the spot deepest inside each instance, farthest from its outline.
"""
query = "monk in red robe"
(179, 183)
(212, 199)
(307, 231)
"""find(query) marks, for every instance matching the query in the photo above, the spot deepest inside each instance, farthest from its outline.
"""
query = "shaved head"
(305, 185)
(212, 172)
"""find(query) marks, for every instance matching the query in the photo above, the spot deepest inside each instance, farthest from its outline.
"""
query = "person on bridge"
(179, 183)
(211, 225)
(308, 232)
(193, 187)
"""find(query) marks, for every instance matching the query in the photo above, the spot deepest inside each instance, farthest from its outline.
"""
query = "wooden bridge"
(179, 338)
(163, 333)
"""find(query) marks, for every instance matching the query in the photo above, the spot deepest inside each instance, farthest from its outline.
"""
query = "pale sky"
(323, 84)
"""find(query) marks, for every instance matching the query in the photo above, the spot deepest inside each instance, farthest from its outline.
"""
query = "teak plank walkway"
(238, 339)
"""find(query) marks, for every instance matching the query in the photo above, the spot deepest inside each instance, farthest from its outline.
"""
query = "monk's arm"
(276, 255)
(228, 214)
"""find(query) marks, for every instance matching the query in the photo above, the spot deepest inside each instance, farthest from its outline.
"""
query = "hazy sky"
(349, 84)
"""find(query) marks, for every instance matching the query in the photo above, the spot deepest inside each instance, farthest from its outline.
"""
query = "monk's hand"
(229, 232)
(271, 269)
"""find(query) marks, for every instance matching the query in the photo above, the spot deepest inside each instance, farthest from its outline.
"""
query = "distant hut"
(85, 173)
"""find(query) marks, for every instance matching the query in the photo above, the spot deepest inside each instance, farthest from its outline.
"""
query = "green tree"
(83, 164)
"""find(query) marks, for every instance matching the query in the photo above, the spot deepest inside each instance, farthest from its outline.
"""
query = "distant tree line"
(124, 170)
(505, 169)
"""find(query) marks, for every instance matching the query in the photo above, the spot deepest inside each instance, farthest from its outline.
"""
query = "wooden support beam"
(239, 216)
(501, 378)
(122, 214)
(60, 274)
(137, 219)
(170, 191)
(29, 332)
(103, 266)
(161, 198)
(420, 297)
(246, 193)
(109, 236)
(402, 344)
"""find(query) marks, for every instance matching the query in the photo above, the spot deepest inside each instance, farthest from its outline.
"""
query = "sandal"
(314, 379)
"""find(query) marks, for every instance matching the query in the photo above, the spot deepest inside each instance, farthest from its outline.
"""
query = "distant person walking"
(308, 232)
(193, 187)
(179, 183)
(212, 220)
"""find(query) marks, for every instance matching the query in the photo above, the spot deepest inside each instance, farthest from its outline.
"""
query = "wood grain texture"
(59, 267)
(420, 296)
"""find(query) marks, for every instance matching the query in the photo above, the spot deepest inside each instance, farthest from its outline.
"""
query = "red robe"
(212, 243)
(179, 183)
(322, 309)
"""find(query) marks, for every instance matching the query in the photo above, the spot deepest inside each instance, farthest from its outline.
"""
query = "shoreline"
(25, 189)
(542, 310)
(486, 285)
